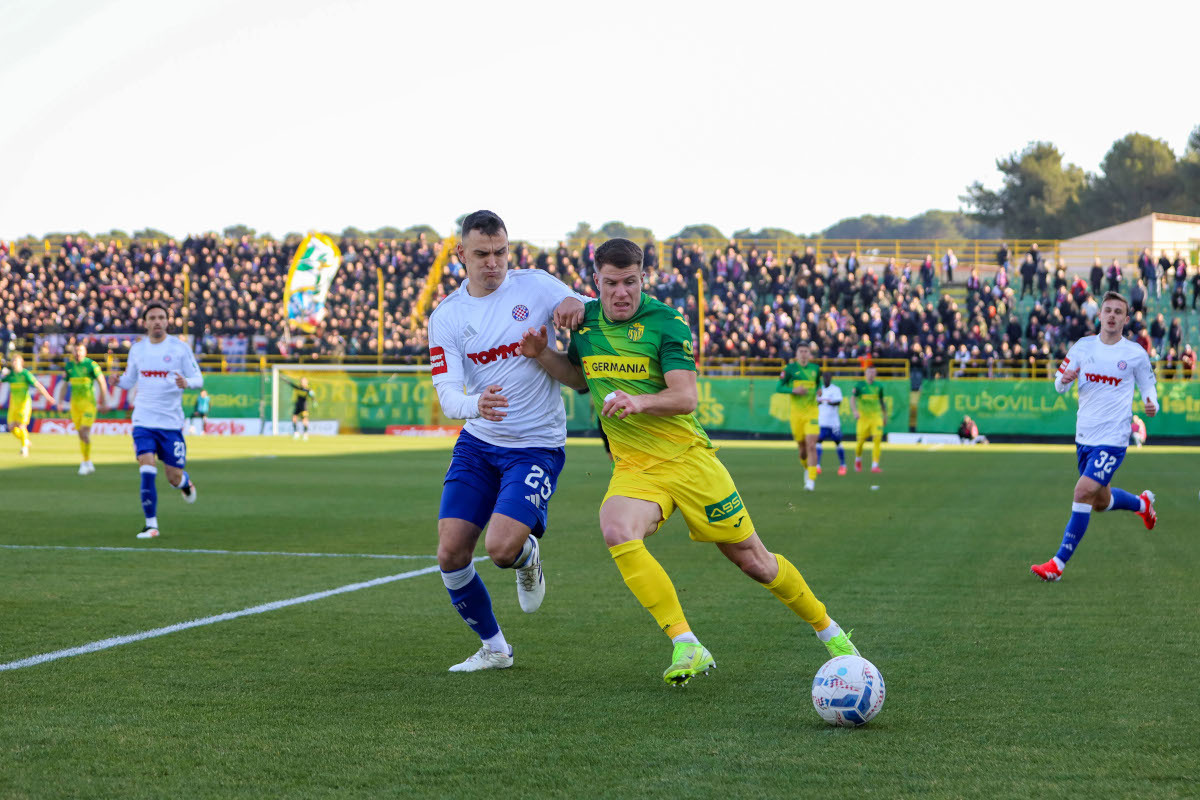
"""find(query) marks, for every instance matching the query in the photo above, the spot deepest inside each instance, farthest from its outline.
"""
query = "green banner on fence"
(1033, 407)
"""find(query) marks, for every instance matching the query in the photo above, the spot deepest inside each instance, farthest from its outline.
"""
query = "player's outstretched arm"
(569, 313)
(49, 397)
(535, 344)
(680, 397)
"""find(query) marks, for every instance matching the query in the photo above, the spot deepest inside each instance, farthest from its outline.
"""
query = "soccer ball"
(848, 691)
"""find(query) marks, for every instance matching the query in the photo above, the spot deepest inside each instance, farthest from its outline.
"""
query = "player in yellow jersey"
(634, 354)
(802, 379)
(84, 374)
(20, 404)
(869, 406)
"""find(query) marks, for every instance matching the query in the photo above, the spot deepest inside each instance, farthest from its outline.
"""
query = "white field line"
(115, 641)
(153, 549)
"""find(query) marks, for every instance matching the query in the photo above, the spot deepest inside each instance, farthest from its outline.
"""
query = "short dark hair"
(486, 222)
(1115, 296)
(619, 253)
(153, 305)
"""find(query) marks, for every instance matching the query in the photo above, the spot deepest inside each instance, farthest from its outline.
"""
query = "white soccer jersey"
(1107, 374)
(475, 342)
(829, 400)
(152, 369)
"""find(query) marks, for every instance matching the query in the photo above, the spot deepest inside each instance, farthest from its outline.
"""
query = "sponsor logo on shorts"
(616, 367)
(724, 509)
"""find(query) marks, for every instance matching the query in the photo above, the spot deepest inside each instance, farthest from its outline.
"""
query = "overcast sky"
(286, 116)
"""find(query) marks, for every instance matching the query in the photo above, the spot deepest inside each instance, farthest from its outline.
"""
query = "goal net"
(354, 398)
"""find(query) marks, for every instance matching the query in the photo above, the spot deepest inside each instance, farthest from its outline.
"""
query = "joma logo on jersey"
(155, 373)
(1108, 379)
(724, 509)
(616, 367)
(496, 353)
(635, 332)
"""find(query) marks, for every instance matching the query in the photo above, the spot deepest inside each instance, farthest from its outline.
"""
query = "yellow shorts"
(19, 415)
(870, 427)
(695, 482)
(804, 424)
(83, 415)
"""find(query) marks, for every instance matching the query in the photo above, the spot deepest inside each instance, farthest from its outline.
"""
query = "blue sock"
(1081, 514)
(149, 491)
(472, 601)
(841, 455)
(184, 483)
(526, 553)
(1124, 501)
(820, 448)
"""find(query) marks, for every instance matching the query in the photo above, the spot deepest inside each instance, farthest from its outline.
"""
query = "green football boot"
(688, 660)
(841, 645)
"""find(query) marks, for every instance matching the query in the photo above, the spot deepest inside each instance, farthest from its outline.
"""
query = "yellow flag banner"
(313, 268)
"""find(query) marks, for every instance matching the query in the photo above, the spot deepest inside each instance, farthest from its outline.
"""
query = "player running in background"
(829, 402)
(635, 355)
(1107, 367)
(160, 368)
(201, 409)
(506, 461)
(84, 375)
(801, 379)
(869, 407)
(20, 404)
(300, 406)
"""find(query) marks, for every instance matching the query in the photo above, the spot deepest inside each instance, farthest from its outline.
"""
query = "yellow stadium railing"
(715, 367)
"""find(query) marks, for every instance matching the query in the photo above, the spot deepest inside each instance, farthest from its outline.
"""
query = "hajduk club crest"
(520, 313)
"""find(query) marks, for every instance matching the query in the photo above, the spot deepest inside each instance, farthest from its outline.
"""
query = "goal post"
(359, 397)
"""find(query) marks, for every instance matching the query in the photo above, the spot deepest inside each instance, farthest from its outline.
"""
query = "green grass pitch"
(998, 685)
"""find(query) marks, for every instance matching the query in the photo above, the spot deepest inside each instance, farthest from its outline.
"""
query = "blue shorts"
(830, 433)
(514, 481)
(1099, 462)
(167, 445)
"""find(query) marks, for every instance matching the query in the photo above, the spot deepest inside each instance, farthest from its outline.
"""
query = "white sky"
(189, 116)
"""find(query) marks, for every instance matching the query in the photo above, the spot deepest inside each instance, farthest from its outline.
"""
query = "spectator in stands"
(1149, 272)
(1175, 333)
(852, 263)
(1114, 276)
(1002, 256)
(1042, 273)
(1179, 271)
(1188, 361)
(1158, 331)
(927, 273)
(831, 265)
(949, 262)
(1028, 269)
(1137, 296)
(1195, 287)
(1096, 276)
(1164, 269)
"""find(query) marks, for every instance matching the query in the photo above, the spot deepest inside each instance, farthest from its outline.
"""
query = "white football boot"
(531, 583)
(485, 658)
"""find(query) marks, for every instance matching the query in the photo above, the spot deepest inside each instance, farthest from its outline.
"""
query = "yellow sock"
(22, 435)
(86, 449)
(858, 447)
(793, 592)
(651, 585)
(877, 448)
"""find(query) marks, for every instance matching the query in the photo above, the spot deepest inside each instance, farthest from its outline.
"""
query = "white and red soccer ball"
(848, 691)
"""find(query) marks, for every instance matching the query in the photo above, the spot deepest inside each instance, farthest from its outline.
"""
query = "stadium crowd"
(760, 303)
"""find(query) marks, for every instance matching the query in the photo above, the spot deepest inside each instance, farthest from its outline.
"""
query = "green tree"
(387, 232)
(236, 232)
(413, 231)
(619, 230)
(151, 234)
(583, 231)
(1039, 197)
(1139, 175)
(1189, 176)
(352, 233)
(764, 233)
(699, 232)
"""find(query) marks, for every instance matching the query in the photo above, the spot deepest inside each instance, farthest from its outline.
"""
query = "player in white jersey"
(1107, 367)
(507, 459)
(160, 367)
(829, 403)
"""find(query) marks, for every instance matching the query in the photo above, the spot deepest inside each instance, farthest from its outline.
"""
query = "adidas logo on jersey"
(535, 499)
